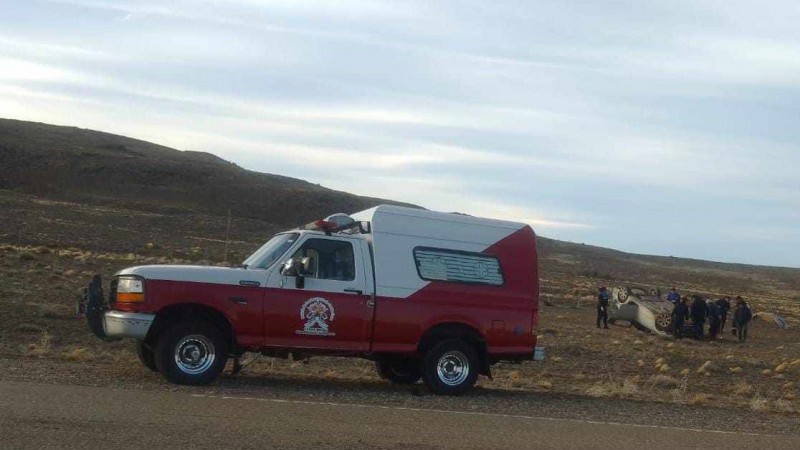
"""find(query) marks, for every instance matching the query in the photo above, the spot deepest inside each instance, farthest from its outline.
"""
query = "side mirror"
(288, 269)
(298, 268)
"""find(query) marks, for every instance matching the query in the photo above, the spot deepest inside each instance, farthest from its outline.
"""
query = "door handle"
(354, 291)
(238, 300)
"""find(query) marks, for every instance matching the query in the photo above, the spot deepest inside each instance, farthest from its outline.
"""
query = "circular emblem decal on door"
(317, 313)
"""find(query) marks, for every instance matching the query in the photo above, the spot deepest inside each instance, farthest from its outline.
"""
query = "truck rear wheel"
(450, 367)
(399, 370)
(192, 352)
(146, 356)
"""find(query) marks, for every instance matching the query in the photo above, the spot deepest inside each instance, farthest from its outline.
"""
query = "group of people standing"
(702, 310)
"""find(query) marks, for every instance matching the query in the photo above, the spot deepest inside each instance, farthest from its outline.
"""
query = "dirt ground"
(43, 338)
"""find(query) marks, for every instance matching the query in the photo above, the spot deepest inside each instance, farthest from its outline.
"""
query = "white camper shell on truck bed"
(397, 231)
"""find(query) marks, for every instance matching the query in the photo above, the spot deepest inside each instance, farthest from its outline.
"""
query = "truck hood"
(198, 274)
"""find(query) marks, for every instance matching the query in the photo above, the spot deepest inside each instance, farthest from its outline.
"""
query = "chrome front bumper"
(119, 324)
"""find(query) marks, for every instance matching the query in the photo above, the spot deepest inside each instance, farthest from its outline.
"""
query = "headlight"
(130, 290)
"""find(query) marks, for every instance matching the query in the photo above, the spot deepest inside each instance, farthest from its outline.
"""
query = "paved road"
(58, 416)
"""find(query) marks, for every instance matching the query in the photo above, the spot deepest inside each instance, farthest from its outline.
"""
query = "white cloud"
(559, 115)
(17, 69)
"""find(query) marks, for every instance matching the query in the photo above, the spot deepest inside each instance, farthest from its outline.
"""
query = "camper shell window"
(439, 264)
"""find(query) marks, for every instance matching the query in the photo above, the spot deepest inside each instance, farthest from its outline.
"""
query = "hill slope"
(85, 166)
(64, 186)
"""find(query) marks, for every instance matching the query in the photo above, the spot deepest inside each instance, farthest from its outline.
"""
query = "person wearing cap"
(602, 307)
(674, 297)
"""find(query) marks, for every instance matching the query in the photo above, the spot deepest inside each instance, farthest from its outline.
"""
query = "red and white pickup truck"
(437, 296)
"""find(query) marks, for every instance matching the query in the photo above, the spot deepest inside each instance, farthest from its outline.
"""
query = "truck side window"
(439, 264)
(330, 259)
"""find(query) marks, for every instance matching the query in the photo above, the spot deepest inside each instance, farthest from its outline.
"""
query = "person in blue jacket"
(674, 297)
(602, 307)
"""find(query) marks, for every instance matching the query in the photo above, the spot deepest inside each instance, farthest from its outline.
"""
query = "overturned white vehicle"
(640, 309)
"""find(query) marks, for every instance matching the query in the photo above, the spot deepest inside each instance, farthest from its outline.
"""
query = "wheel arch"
(181, 311)
(457, 330)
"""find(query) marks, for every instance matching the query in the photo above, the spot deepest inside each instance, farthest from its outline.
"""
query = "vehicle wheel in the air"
(399, 370)
(450, 367)
(192, 352)
(146, 356)
(663, 322)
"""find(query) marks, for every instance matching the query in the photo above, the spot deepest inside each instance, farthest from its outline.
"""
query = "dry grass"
(742, 389)
(26, 256)
(706, 367)
(613, 389)
(40, 348)
(783, 406)
(28, 328)
(759, 403)
(55, 311)
(699, 399)
(665, 381)
(78, 354)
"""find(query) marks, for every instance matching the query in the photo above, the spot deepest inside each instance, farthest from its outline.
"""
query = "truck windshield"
(271, 251)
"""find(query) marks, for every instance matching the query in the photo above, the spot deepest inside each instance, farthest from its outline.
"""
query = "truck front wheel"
(399, 370)
(450, 367)
(192, 352)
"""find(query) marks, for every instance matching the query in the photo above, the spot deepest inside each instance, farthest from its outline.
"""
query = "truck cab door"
(333, 309)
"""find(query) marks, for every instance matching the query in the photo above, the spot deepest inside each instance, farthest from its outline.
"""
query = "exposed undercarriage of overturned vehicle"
(643, 310)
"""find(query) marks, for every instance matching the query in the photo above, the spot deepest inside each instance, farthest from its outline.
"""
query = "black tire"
(663, 322)
(146, 356)
(450, 367)
(192, 352)
(399, 370)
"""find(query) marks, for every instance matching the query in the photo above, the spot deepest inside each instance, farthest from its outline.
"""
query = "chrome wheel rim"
(194, 354)
(453, 368)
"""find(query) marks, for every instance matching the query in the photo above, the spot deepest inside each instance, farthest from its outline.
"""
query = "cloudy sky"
(665, 127)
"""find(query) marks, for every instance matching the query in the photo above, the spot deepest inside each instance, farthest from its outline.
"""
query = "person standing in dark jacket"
(741, 318)
(699, 313)
(713, 319)
(724, 306)
(679, 315)
(602, 307)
